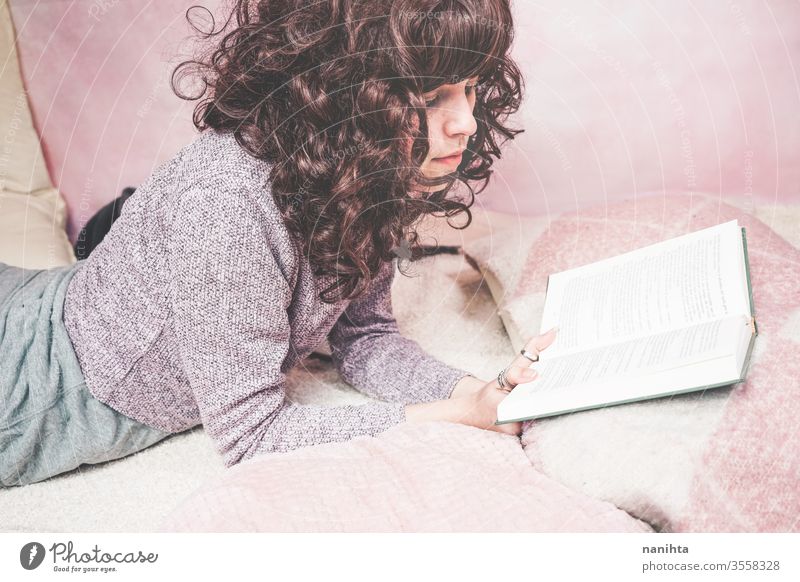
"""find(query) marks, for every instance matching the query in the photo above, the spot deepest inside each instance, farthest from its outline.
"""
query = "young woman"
(330, 129)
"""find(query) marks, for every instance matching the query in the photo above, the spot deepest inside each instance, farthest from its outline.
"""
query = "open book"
(672, 317)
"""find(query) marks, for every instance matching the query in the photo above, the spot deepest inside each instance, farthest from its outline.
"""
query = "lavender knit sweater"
(198, 302)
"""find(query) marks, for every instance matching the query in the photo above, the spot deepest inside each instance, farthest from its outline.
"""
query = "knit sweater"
(199, 301)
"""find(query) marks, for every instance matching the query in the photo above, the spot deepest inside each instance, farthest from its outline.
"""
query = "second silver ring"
(502, 380)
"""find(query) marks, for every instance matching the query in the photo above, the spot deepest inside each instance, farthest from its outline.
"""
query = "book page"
(690, 378)
(665, 286)
(662, 351)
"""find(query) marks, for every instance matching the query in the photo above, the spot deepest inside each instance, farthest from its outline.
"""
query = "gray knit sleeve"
(372, 355)
(230, 299)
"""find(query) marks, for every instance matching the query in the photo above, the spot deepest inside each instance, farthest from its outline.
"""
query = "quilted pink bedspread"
(421, 477)
(725, 460)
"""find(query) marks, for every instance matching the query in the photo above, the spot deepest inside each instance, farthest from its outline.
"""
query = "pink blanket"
(722, 460)
(421, 477)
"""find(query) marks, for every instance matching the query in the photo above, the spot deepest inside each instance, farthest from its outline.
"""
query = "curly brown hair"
(331, 93)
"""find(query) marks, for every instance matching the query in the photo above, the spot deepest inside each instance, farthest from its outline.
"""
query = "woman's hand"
(474, 402)
(486, 398)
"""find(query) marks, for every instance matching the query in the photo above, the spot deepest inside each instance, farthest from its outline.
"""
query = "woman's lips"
(451, 160)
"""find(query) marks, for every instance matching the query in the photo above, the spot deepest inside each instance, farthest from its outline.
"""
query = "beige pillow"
(498, 256)
(32, 212)
(32, 230)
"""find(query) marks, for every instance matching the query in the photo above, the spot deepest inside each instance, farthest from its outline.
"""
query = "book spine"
(749, 284)
(748, 356)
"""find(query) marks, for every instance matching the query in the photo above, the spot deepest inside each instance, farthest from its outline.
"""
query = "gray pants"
(49, 421)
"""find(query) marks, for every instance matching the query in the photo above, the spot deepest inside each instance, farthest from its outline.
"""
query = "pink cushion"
(727, 459)
(422, 477)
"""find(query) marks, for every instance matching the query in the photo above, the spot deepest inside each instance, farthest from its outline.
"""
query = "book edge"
(749, 284)
(617, 403)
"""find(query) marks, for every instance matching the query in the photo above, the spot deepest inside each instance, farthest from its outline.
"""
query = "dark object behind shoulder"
(93, 233)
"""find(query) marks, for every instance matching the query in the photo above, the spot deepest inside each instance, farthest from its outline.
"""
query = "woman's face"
(450, 124)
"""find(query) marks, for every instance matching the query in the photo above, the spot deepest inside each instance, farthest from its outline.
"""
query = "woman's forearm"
(473, 403)
(458, 410)
(462, 406)
(466, 386)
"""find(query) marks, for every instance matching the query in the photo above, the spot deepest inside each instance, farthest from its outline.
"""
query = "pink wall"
(629, 96)
(623, 97)
(97, 73)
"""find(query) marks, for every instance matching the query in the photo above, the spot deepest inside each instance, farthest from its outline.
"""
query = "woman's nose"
(459, 118)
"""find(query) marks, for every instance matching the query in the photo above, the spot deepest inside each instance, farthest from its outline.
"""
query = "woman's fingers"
(520, 371)
(540, 342)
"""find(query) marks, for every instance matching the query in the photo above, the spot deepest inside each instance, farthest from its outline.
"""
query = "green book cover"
(752, 307)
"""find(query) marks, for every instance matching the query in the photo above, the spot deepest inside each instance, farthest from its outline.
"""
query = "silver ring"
(501, 378)
(529, 355)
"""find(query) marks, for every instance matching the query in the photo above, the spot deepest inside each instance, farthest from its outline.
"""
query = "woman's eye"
(470, 89)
